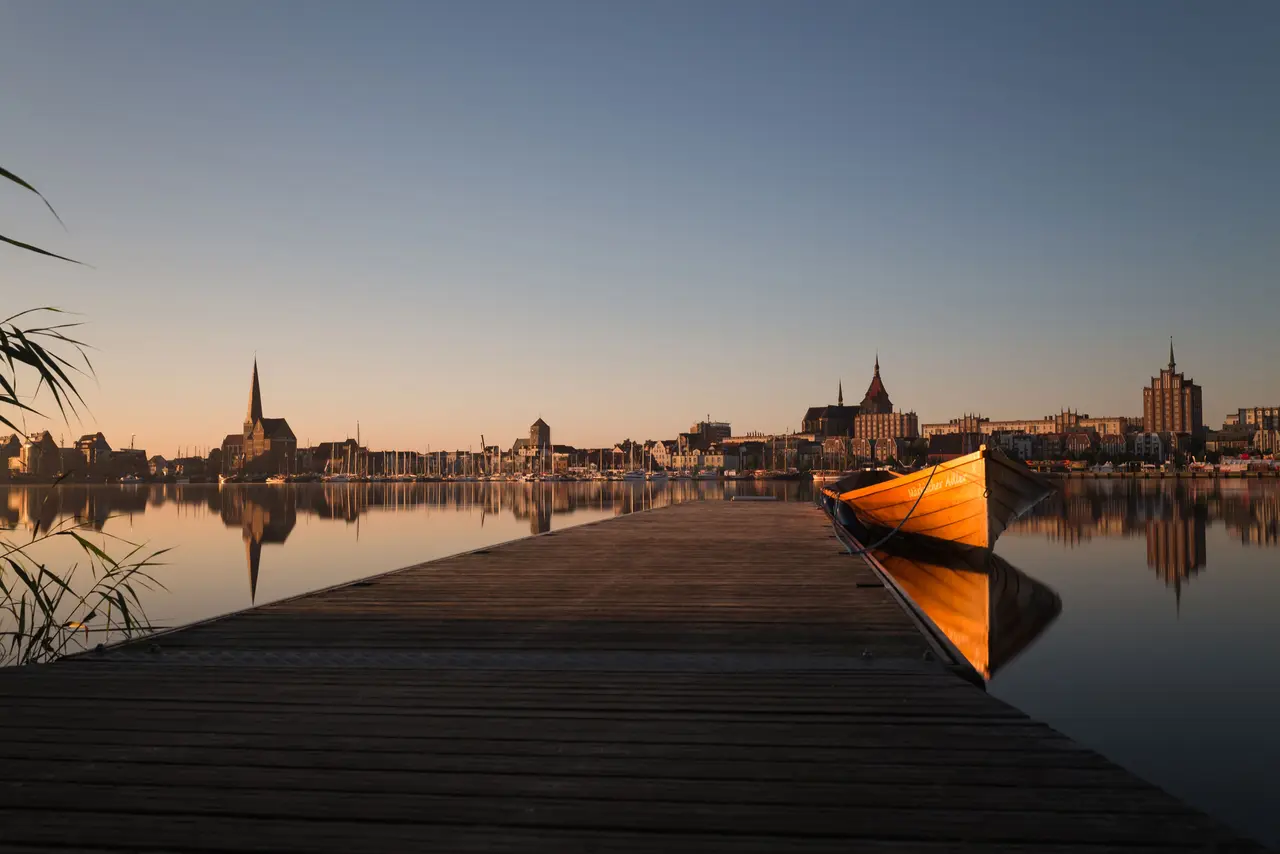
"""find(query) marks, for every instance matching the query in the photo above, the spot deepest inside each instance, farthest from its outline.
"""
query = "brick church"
(265, 445)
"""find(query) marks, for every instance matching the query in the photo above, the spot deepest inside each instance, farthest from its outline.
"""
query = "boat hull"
(967, 501)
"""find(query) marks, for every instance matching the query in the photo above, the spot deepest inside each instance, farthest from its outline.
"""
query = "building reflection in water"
(1172, 516)
(267, 514)
(264, 516)
(989, 610)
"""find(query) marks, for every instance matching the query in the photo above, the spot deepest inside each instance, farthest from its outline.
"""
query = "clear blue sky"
(448, 219)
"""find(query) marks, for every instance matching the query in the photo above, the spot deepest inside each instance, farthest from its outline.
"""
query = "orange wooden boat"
(968, 501)
(988, 609)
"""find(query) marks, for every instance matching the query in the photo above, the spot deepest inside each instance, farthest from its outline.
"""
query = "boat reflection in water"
(989, 610)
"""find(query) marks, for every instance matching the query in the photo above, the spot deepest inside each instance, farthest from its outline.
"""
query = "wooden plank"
(668, 784)
(851, 820)
(687, 679)
(874, 767)
(252, 834)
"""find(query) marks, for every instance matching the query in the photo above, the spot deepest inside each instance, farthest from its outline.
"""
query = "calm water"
(1163, 655)
(1144, 628)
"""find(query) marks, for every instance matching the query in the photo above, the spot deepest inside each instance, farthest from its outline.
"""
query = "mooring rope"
(835, 525)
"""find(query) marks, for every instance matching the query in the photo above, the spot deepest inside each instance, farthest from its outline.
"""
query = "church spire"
(1171, 362)
(840, 394)
(255, 398)
(877, 363)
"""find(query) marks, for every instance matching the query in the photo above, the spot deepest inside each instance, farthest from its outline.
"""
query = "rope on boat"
(868, 549)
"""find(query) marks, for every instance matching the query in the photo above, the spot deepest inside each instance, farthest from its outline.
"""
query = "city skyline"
(202, 446)
(444, 220)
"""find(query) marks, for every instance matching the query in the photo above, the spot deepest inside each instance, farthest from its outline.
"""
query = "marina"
(423, 427)
(575, 690)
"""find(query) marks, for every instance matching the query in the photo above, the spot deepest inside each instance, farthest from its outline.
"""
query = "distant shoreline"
(1163, 475)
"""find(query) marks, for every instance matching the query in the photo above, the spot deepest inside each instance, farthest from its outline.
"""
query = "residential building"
(232, 452)
(703, 435)
(1112, 444)
(951, 445)
(10, 448)
(1060, 423)
(886, 425)
(1229, 441)
(1023, 446)
(1076, 442)
(661, 452)
(127, 461)
(715, 458)
(1172, 403)
(1267, 441)
(95, 450)
(39, 456)
(1257, 417)
(1148, 446)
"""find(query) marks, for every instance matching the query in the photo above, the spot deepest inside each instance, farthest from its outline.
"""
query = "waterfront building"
(232, 448)
(1112, 444)
(1267, 441)
(1064, 421)
(1148, 446)
(10, 448)
(1078, 441)
(1023, 446)
(702, 435)
(127, 461)
(1257, 417)
(1232, 440)
(712, 459)
(265, 444)
(95, 450)
(1172, 403)
(38, 456)
(661, 453)
(539, 435)
(948, 446)
(886, 425)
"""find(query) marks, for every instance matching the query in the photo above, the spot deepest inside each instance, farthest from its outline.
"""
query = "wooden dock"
(718, 676)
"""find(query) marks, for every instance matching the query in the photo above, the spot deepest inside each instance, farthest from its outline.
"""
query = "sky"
(447, 220)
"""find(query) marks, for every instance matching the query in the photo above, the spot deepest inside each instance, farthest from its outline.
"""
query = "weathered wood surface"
(710, 677)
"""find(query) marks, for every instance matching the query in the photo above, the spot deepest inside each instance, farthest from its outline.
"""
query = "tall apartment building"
(1172, 403)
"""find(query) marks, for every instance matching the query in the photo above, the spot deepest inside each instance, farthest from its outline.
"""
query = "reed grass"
(42, 616)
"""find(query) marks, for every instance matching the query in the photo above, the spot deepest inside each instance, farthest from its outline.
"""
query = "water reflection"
(988, 609)
(1172, 516)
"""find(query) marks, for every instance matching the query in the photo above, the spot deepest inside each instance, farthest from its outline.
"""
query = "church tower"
(255, 402)
(876, 400)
